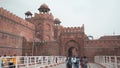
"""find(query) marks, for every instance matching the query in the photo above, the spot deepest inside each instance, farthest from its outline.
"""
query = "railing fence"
(30, 61)
(108, 61)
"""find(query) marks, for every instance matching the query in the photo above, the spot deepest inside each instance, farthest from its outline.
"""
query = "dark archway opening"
(72, 51)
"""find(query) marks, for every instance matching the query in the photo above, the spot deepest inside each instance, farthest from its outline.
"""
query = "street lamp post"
(41, 42)
(33, 46)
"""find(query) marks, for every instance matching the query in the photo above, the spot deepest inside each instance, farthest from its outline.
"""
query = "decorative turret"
(44, 23)
(57, 21)
(44, 8)
(57, 28)
(28, 14)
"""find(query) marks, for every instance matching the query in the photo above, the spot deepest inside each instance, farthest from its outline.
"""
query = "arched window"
(47, 27)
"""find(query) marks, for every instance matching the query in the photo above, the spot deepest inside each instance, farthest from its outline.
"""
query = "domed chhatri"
(57, 21)
(44, 8)
(28, 13)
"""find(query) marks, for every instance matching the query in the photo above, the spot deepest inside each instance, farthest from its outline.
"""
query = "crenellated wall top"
(43, 16)
(73, 29)
(11, 16)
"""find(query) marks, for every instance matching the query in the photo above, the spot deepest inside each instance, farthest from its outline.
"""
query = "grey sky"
(100, 17)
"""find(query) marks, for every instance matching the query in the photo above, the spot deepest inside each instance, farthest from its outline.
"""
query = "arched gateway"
(72, 51)
(72, 48)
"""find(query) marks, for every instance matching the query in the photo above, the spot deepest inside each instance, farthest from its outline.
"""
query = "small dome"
(57, 21)
(28, 13)
(44, 8)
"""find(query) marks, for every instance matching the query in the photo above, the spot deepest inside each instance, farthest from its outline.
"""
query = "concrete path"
(94, 65)
(90, 65)
(59, 66)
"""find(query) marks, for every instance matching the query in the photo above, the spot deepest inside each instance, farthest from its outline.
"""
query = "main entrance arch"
(72, 51)
(72, 48)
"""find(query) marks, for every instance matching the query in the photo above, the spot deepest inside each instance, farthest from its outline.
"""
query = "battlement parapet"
(110, 37)
(13, 17)
(46, 16)
(73, 29)
(102, 43)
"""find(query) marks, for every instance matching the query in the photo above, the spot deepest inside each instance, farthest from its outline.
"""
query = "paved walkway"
(59, 66)
(94, 65)
(90, 65)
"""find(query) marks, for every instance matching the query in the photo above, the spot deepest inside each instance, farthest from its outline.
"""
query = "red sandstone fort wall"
(13, 24)
(12, 31)
(16, 37)
(109, 46)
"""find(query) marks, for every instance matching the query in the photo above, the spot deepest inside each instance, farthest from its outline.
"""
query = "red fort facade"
(42, 34)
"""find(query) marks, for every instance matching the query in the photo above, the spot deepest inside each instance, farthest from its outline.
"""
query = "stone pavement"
(94, 65)
(90, 65)
(59, 66)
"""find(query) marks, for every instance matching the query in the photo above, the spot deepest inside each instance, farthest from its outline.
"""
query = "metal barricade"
(108, 61)
(30, 61)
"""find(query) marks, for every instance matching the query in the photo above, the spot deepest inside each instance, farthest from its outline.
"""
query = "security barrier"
(31, 61)
(108, 61)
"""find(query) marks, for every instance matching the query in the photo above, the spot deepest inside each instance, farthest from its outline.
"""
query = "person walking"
(11, 62)
(84, 62)
(14, 61)
(74, 62)
(68, 62)
(77, 62)
(81, 62)
(4, 61)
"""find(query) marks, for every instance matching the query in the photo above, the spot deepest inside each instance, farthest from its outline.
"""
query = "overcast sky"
(100, 17)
